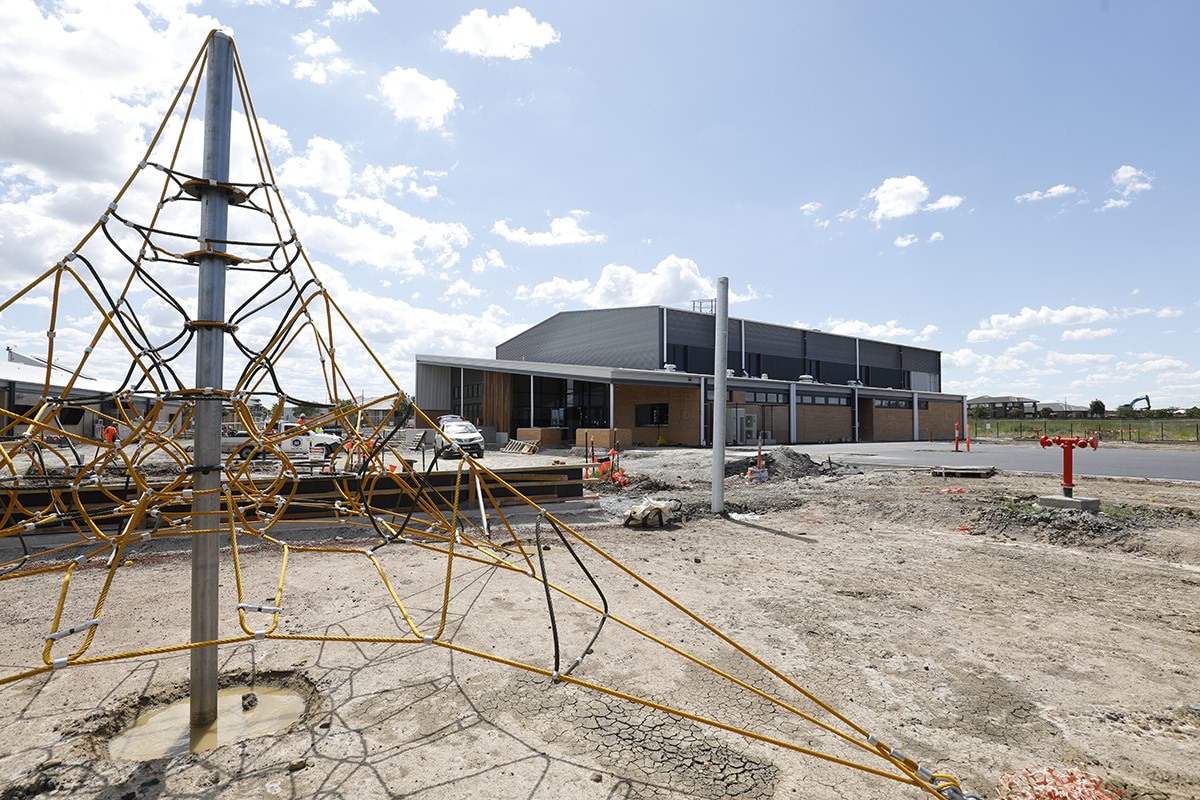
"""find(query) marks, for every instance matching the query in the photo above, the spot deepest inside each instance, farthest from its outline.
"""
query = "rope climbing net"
(107, 468)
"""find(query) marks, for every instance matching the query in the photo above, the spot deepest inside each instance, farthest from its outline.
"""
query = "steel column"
(210, 358)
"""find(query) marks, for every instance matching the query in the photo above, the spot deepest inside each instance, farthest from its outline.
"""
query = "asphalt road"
(1175, 462)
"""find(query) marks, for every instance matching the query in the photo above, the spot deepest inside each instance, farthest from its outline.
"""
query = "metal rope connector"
(83, 626)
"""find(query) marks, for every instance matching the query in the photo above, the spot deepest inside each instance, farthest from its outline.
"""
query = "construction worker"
(110, 434)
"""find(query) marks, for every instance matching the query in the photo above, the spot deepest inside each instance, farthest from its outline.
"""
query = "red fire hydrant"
(1068, 444)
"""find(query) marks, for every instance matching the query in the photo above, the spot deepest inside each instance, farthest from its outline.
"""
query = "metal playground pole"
(210, 356)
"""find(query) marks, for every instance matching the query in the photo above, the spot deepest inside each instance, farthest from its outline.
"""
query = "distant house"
(1005, 406)
(1066, 411)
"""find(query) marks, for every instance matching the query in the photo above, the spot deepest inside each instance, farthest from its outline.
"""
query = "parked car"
(294, 443)
(461, 433)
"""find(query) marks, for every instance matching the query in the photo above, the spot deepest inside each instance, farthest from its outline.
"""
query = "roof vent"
(669, 367)
(765, 376)
(807, 379)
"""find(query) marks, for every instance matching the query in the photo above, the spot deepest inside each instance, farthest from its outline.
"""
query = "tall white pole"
(210, 356)
(720, 390)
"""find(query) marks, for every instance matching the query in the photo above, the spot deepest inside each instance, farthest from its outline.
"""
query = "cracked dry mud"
(971, 629)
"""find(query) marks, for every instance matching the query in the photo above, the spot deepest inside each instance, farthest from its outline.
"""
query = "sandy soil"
(969, 628)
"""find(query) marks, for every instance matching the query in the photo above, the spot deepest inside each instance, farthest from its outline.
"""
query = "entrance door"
(866, 419)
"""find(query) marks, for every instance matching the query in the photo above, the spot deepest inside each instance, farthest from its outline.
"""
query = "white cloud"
(459, 292)
(1151, 362)
(1024, 347)
(847, 215)
(898, 197)
(416, 97)
(674, 280)
(490, 260)
(822, 223)
(1168, 313)
(324, 166)
(1129, 181)
(1055, 191)
(1005, 326)
(808, 209)
(563, 230)
(372, 231)
(1056, 359)
(890, 330)
(514, 35)
(321, 61)
(903, 197)
(936, 236)
(1087, 334)
(558, 291)
(376, 180)
(944, 202)
(905, 240)
(966, 358)
(349, 10)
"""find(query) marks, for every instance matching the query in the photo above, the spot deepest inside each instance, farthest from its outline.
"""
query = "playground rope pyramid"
(114, 299)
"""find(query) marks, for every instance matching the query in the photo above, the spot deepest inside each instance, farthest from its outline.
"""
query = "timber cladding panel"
(497, 400)
(937, 421)
(683, 415)
(824, 424)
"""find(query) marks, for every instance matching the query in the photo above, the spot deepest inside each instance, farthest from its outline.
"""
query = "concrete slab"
(1090, 504)
(963, 472)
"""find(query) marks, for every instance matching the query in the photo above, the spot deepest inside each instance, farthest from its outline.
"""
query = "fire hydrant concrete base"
(1090, 504)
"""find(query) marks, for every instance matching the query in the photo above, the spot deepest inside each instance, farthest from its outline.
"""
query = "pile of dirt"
(783, 462)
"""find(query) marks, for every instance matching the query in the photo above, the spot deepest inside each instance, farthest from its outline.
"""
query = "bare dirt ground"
(969, 628)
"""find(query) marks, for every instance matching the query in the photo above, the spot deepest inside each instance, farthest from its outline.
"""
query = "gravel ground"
(952, 617)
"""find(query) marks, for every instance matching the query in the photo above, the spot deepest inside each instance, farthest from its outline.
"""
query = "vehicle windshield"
(459, 427)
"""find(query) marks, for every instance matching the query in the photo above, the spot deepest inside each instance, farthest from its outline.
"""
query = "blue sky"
(1005, 182)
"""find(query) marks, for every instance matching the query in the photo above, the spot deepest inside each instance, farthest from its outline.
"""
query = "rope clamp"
(262, 608)
(428, 640)
(79, 560)
(58, 663)
(554, 676)
(83, 626)
(260, 634)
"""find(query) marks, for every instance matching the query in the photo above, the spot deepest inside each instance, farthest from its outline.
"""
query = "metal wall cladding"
(699, 330)
(694, 330)
(828, 347)
(612, 337)
(878, 354)
(918, 359)
(433, 386)
(774, 340)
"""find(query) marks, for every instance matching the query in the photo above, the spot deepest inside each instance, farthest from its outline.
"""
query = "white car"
(294, 443)
(462, 433)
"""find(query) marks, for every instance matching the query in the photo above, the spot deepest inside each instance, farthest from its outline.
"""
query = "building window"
(893, 403)
(652, 414)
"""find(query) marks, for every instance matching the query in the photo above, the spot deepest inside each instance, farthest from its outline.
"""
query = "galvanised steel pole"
(720, 390)
(210, 355)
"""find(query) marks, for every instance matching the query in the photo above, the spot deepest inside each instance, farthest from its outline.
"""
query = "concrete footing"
(1090, 504)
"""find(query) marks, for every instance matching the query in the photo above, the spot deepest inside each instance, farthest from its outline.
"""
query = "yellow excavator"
(1130, 405)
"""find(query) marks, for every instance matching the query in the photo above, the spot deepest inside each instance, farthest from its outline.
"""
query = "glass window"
(652, 414)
